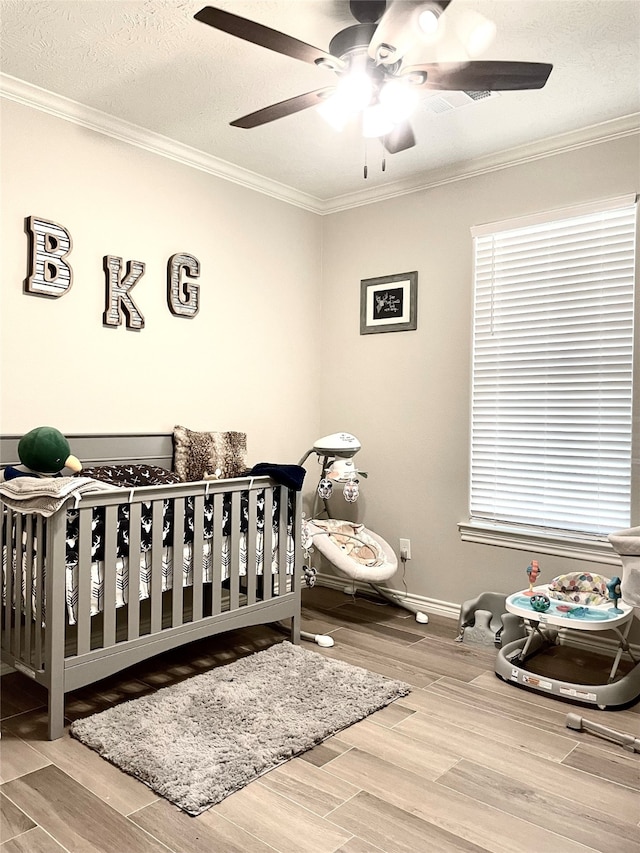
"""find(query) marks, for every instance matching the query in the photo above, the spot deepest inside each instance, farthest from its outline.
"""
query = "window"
(551, 432)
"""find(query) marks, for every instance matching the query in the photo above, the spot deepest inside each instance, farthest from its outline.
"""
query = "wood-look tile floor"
(465, 762)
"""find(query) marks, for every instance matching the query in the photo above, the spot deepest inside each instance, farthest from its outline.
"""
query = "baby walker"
(576, 602)
(350, 547)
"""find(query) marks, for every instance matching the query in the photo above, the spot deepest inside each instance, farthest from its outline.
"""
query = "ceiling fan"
(368, 59)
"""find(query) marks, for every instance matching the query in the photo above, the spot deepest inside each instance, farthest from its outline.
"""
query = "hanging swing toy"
(351, 548)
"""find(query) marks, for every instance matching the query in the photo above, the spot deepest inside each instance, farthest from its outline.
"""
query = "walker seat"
(580, 588)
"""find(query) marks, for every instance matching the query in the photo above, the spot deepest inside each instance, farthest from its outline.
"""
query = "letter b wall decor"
(51, 275)
(50, 243)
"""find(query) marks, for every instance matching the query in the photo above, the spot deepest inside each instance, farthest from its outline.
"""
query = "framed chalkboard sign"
(389, 303)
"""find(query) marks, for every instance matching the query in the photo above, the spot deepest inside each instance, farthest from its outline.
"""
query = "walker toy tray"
(569, 614)
(574, 611)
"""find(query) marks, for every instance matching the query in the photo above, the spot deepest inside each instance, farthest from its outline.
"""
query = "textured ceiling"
(150, 63)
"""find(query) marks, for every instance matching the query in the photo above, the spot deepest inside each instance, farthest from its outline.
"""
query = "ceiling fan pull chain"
(384, 158)
(366, 168)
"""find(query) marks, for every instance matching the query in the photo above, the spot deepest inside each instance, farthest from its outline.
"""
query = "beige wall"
(275, 349)
(242, 363)
(406, 395)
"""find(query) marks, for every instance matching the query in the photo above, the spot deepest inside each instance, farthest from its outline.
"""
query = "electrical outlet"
(405, 549)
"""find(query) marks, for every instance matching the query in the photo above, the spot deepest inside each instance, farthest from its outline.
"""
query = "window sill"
(591, 549)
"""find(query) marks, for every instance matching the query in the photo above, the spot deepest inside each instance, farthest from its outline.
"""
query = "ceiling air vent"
(444, 103)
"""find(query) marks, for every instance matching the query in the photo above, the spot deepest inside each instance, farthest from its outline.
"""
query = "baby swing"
(351, 548)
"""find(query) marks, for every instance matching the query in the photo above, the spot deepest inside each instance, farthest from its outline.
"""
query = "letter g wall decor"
(51, 275)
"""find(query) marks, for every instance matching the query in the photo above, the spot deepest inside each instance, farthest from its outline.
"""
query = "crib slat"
(9, 521)
(251, 546)
(20, 568)
(216, 556)
(40, 538)
(84, 580)
(178, 548)
(294, 578)
(133, 573)
(283, 541)
(235, 550)
(109, 600)
(156, 567)
(198, 537)
(267, 543)
(28, 604)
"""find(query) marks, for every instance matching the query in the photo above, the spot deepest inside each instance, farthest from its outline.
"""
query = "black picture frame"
(389, 303)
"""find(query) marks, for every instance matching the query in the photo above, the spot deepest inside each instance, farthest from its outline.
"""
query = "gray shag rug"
(198, 741)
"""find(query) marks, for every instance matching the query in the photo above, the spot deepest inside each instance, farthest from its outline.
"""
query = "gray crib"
(41, 639)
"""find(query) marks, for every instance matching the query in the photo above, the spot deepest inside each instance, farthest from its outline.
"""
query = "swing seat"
(354, 550)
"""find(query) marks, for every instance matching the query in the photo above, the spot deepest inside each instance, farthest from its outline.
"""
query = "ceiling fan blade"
(283, 108)
(481, 75)
(398, 30)
(265, 36)
(400, 138)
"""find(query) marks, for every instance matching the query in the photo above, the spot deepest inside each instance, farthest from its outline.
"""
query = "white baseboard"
(429, 605)
(587, 640)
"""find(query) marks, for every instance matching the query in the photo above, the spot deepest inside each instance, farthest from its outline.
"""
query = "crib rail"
(37, 637)
(187, 604)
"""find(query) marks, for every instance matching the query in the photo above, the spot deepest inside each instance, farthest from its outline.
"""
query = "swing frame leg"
(395, 598)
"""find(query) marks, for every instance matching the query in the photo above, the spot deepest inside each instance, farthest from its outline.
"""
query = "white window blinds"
(552, 369)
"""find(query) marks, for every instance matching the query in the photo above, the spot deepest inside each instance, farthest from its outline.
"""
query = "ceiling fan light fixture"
(429, 20)
(376, 121)
(399, 29)
(475, 32)
(353, 93)
(355, 89)
(399, 99)
(335, 112)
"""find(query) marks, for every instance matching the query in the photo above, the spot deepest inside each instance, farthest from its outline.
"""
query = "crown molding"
(617, 128)
(29, 95)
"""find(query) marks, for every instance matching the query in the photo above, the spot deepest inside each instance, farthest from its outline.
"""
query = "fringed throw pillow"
(215, 455)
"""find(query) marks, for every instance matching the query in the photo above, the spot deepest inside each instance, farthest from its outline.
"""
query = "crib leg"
(295, 629)
(56, 714)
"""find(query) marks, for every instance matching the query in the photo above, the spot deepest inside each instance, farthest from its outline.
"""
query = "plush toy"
(43, 452)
